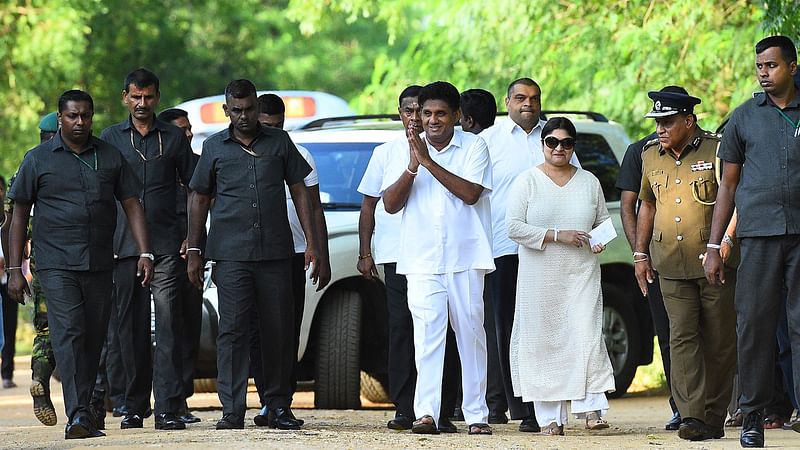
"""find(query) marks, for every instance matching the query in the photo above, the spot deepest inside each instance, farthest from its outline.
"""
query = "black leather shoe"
(131, 421)
(81, 427)
(187, 417)
(458, 415)
(445, 426)
(497, 417)
(675, 423)
(400, 422)
(283, 419)
(530, 425)
(119, 411)
(230, 422)
(99, 418)
(262, 419)
(715, 432)
(169, 421)
(692, 429)
(752, 430)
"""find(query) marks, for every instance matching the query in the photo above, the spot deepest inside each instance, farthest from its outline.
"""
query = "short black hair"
(559, 123)
(788, 50)
(479, 104)
(168, 115)
(141, 78)
(524, 80)
(74, 95)
(411, 91)
(440, 90)
(240, 88)
(272, 104)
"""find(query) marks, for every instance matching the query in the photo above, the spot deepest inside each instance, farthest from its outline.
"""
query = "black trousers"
(78, 304)
(402, 368)
(661, 325)
(768, 263)
(164, 370)
(265, 286)
(110, 374)
(299, 298)
(191, 300)
(503, 282)
(10, 311)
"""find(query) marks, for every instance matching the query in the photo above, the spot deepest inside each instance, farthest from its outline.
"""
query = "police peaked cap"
(671, 103)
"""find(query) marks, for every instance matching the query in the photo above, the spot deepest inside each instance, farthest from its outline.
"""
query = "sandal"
(735, 420)
(425, 425)
(553, 430)
(480, 428)
(595, 422)
(774, 421)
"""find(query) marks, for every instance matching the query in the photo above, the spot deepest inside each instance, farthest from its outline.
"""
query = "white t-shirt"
(440, 233)
(385, 242)
(312, 179)
(512, 151)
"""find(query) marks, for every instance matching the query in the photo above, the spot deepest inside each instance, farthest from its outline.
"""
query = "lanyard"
(85, 163)
(795, 125)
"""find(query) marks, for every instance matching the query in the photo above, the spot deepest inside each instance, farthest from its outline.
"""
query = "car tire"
(205, 385)
(621, 334)
(375, 389)
(337, 382)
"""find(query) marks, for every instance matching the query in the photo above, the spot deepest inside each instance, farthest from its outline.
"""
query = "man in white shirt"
(515, 146)
(373, 217)
(442, 187)
(272, 114)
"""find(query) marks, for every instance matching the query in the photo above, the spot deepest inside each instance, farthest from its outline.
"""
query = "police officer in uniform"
(678, 192)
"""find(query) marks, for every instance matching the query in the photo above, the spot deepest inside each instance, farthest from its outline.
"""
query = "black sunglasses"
(566, 143)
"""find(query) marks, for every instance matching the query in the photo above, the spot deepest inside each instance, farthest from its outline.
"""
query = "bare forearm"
(198, 211)
(320, 226)
(17, 230)
(723, 211)
(627, 212)
(133, 209)
(366, 224)
(644, 226)
(467, 191)
(395, 198)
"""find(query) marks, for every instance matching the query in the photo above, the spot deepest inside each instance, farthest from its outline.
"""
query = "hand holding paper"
(603, 233)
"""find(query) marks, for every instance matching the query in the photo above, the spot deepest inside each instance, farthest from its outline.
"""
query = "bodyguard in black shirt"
(245, 166)
(156, 150)
(74, 179)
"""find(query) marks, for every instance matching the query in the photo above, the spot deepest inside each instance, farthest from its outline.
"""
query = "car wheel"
(621, 333)
(375, 389)
(337, 383)
(205, 385)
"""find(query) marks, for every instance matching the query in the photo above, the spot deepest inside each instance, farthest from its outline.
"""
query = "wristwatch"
(148, 256)
(727, 239)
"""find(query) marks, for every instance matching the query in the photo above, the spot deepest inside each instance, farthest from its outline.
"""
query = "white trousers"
(556, 411)
(431, 300)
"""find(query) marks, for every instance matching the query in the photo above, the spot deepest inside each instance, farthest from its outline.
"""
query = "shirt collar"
(56, 143)
(694, 144)
(229, 136)
(512, 126)
(157, 124)
(455, 141)
(762, 99)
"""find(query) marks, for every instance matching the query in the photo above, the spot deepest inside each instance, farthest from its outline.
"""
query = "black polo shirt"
(73, 226)
(759, 138)
(249, 220)
(629, 177)
(158, 194)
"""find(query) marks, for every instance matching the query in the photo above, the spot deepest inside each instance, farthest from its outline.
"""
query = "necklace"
(141, 155)
(86, 163)
(249, 152)
(795, 125)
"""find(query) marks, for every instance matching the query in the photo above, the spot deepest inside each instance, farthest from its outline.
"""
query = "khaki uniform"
(702, 317)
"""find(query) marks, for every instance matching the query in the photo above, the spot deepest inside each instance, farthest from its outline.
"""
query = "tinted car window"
(596, 156)
(340, 167)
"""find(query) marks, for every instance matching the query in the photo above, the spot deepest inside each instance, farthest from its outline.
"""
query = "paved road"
(636, 422)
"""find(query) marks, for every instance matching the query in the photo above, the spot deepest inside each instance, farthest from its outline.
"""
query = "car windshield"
(340, 167)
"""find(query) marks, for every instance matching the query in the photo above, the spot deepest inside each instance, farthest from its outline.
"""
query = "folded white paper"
(603, 233)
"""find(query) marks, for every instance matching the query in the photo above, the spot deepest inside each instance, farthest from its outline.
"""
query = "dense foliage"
(602, 55)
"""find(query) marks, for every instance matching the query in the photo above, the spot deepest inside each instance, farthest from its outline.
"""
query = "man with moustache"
(515, 145)
(157, 151)
(73, 180)
(441, 185)
(246, 166)
(760, 148)
(386, 227)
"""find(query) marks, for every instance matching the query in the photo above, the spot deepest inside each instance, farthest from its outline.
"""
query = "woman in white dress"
(557, 350)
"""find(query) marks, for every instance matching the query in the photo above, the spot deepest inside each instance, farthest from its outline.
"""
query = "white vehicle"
(343, 338)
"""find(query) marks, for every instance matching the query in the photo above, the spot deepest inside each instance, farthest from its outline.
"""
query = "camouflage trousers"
(42, 360)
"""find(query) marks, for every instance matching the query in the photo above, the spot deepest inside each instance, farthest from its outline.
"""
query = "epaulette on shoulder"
(712, 135)
(650, 143)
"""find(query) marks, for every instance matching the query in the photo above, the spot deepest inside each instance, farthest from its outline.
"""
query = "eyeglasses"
(141, 155)
(566, 143)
